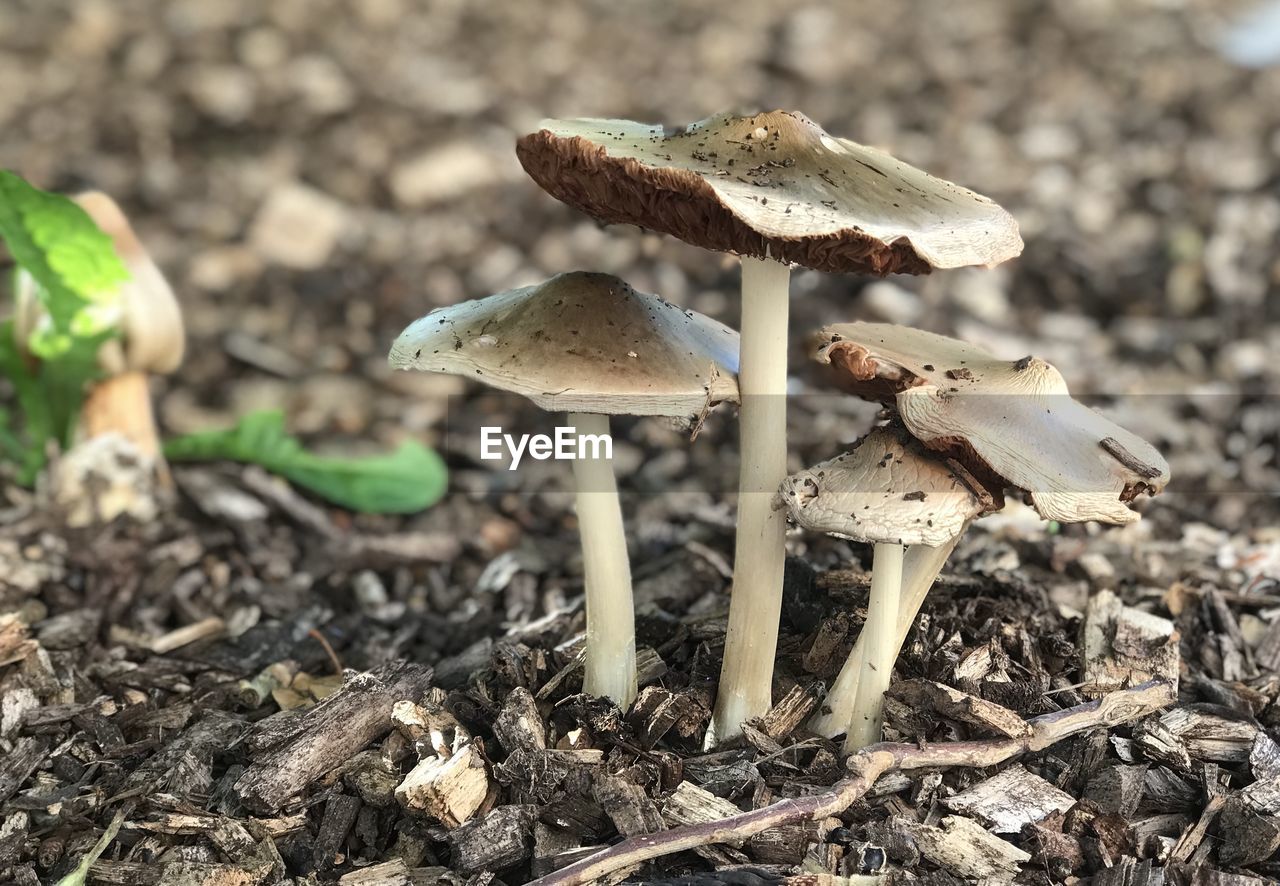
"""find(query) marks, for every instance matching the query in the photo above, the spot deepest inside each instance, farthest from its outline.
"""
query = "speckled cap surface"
(769, 185)
(581, 342)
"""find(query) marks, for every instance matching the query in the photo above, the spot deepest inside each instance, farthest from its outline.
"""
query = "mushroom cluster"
(968, 428)
(776, 190)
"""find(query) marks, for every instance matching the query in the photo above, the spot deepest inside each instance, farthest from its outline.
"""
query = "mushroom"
(1009, 424)
(1015, 420)
(912, 505)
(777, 190)
(590, 345)
(151, 336)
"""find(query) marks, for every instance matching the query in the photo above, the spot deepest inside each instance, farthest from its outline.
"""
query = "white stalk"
(921, 566)
(610, 668)
(877, 666)
(746, 677)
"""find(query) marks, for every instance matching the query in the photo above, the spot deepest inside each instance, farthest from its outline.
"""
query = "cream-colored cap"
(887, 489)
(769, 185)
(1016, 418)
(581, 342)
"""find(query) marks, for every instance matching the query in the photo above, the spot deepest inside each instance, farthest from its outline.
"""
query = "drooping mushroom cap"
(152, 338)
(769, 185)
(888, 489)
(1015, 418)
(581, 342)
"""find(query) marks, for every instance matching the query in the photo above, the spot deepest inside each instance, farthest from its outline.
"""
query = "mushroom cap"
(887, 489)
(1016, 418)
(152, 334)
(770, 185)
(581, 342)
(152, 338)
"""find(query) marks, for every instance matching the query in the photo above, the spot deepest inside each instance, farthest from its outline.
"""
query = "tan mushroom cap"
(769, 185)
(152, 334)
(581, 342)
(887, 489)
(1016, 418)
(152, 338)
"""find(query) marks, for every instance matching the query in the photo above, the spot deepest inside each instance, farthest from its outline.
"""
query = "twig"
(865, 767)
(324, 643)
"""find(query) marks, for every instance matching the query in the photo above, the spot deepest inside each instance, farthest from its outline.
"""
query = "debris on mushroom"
(590, 345)
(775, 189)
(912, 505)
(1013, 418)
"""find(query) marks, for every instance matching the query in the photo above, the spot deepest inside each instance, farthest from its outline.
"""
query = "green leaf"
(59, 245)
(26, 448)
(402, 482)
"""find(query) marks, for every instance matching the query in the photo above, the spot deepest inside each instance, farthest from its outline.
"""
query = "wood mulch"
(184, 677)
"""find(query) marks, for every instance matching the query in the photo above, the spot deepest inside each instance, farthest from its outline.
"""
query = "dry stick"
(865, 767)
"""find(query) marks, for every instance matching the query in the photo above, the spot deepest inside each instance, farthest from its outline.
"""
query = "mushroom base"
(122, 404)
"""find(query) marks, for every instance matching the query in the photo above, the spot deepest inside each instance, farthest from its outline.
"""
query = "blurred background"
(314, 174)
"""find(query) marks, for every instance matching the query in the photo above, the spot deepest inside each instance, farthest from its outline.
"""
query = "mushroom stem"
(877, 665)
(746, 677)
(610, 668)
(921, 565)
(122, 403)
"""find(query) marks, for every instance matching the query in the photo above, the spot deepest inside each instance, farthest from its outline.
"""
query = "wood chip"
(1010, 800)
(1211, 736)
(790, 711)
(340, 812)
(15, 645)
(519, 726)
(1131, 872)
(450, 789)
(956, 705)
(961, 847)
(389, 873)
(501, 839)
(690, 804)
(17, 765)
(627, 805)
(330, 733)
(1123, 646)
(1118, 789)
(1249, 826)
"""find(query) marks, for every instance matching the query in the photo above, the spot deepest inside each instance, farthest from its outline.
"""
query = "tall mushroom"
(590, 345)
(912, 505)
(151, 337)
(1010, 424)
(777, 190)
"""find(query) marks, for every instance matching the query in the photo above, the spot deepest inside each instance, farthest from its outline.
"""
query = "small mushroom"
(1007, 424)
(590, 345)
(1014, 419)
(777, 190)
(912, 505)
(151, 337)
